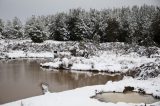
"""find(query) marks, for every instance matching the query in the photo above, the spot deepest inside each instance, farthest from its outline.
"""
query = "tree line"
(137, 25)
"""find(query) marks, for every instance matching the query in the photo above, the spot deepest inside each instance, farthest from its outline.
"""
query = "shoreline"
(110, 56)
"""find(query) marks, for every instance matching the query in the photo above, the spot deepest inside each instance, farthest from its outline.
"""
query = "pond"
(130, 97)
(20, 79)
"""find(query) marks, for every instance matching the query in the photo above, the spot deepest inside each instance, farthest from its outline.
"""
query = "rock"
(127, 89)
(44, 87)
(141, 91)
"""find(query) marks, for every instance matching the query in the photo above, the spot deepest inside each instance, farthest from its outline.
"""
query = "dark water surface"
(20, 79)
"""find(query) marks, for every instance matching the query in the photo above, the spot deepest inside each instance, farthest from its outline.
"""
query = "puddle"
(131, 97)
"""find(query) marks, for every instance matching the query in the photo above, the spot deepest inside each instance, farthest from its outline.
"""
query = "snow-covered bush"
(148, 70)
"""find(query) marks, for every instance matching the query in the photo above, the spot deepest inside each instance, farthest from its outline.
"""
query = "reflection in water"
(22, 78)
(131, 97)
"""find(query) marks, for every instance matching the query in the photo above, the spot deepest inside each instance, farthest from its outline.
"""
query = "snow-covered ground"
(26, 49)
(103, 61)
(108, 57)
(22, 54)
(81, 96)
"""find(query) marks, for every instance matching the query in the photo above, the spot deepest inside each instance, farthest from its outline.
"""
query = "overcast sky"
(26, 8)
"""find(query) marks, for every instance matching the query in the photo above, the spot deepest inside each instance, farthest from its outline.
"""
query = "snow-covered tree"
(13, 29)
(155, 27)
(93, 23)
(17, 28)
(140, 22)
(30, 22)
(137, 24)
(44, 23)
(58, 29)
(1, 28)
(112, 31)
(98, 24)
(35, 30)
(124, 32)
(145, 18)
(73, 28)
(8, 32)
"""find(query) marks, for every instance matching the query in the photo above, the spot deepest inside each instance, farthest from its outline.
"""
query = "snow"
(51, 64)
(113, 57)
(83, 67)
(150, 86)
(22, 54)
(81, 96)
(65, 62)
(53, 42)
(40, 55)
(106, 61)
(109, 57)
(16, 54)
(148, 70)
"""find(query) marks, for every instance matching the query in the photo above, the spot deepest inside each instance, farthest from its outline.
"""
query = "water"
(131, 97)
(20, 79)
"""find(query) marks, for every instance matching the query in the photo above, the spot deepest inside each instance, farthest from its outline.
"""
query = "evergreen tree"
(17, 28)
(138, 25)
(1, 28)
(134, 36)
(13, 30)
(155, 27)
(8, 32)
(35, 30)
(73, 20)
(57, 28)
(112, 31)
(144, 22)
(44, 23)
(124, 31)
(29, 23)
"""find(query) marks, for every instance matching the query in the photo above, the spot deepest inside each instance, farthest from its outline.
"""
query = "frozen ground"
(138, 61)
(81, 96)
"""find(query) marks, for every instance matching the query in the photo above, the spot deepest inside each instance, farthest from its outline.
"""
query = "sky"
(24, 9)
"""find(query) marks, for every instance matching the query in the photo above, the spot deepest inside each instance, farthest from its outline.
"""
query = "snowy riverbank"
(109, 57)
(137, 61)
(13, 49)
(112, 57)
(81, 96)
(103, 61)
